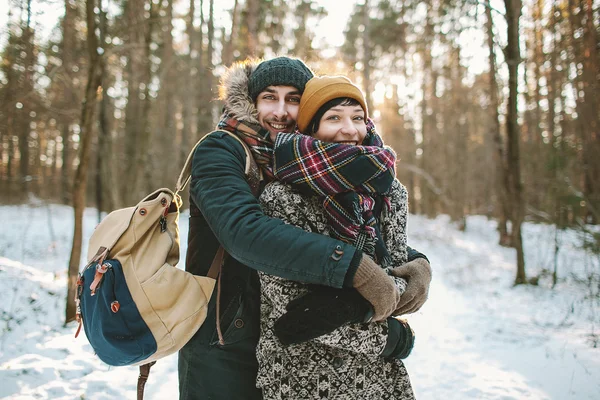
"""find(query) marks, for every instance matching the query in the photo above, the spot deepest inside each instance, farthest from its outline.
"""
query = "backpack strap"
(142, 378)
(252, 171)
(254, 177)
(215, 267)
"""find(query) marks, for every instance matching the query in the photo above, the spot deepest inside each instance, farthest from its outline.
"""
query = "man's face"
(278, 109)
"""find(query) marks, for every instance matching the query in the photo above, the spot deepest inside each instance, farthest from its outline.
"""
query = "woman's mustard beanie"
(321, 89)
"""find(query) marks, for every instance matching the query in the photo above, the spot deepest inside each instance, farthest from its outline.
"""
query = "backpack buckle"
(101, 269)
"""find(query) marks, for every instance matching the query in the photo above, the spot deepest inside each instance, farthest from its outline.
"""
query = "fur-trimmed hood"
(233, 90)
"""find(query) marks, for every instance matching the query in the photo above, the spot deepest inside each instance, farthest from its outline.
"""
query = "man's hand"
(377, 287)
(418, 275)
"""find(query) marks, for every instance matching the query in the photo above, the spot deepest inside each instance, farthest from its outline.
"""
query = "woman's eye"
(333, 118)
(359, 118)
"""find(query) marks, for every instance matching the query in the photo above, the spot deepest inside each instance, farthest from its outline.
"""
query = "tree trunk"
(165, 140)
(228, 47)
(252, 22)
(580, 95)
(301, 36)
(591, 87)
(106, 173)
(23, 116)
(9, 168)
(203, 88)
(538, 61)
(515, 189)
(88, 114)
(145, 157)
(499, 154)
(367, 54)
(211, 36)
(68, 48)
(187, 133)
(8, 99)
(205, 97)
(210, 66)
(137, 81)
(429, 156)
(67, 165)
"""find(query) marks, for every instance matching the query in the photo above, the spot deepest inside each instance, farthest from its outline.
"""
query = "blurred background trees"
(493, 107)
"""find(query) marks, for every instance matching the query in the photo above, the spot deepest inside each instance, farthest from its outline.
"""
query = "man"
(262, 100)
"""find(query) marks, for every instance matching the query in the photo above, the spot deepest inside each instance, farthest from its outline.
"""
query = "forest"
(492, 106)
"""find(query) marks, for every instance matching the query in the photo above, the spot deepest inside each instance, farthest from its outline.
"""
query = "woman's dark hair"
(313, 126)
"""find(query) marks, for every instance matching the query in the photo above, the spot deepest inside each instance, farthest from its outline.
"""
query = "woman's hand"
(418, 275)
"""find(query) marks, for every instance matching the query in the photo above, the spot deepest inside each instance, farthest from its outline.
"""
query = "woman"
(337, 186)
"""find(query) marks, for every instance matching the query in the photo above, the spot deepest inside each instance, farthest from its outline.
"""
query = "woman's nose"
(348, 127)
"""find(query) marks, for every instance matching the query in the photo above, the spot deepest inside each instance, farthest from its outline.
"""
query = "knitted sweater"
(345, 364)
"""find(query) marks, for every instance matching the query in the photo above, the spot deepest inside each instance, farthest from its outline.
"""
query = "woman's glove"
(418, 275)
(320, 311)
(377, 287)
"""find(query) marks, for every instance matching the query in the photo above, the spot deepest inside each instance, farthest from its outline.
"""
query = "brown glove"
(377, 287)
(418, 275)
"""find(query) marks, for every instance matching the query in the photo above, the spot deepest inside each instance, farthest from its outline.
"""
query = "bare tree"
(227, 55)
(68, 62)
(367, 54)
(106, 173)
(88, 118)
(23, 119)
(191, 73)
(495, 131)
(515, 188)
(252, 22)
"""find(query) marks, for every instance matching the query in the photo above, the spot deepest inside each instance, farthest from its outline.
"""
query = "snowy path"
(480, 338)
(477, 337)
(464, 353)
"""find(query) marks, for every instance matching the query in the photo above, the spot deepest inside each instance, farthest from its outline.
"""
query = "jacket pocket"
(240, 322)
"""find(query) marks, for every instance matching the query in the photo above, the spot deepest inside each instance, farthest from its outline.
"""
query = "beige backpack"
(136, 306)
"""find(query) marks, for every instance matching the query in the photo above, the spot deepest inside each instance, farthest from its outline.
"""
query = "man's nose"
(281, 110)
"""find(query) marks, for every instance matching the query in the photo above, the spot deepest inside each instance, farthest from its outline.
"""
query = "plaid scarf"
(256, 137)
(346, 177)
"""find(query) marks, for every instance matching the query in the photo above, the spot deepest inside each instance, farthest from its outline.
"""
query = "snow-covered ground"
(478, 337)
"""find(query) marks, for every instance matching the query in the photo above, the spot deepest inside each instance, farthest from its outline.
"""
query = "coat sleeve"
(394, 227)
(221, 192)
(280, 201)
(393, 224)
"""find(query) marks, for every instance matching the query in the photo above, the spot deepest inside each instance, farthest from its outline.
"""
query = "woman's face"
(343, 124)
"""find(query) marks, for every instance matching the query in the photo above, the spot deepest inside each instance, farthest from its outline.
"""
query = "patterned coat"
(346, 363)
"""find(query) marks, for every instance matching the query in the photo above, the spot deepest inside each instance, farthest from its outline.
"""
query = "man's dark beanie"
(280, 71)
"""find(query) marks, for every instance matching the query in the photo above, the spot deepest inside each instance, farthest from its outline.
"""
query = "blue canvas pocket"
(112, 321)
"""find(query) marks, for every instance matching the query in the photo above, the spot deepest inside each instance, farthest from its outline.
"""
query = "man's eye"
(294, 100)
(269, 97)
